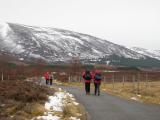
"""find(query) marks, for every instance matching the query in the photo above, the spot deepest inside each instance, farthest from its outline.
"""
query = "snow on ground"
(74, 118)
(48, 117)
(134, 98)
(4, 29)
(55, 104)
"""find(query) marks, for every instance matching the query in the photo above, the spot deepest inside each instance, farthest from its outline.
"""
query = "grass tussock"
(72, 110)
(22, 100)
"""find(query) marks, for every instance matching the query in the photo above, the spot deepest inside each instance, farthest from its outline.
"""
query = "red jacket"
(87, 81)
(46, 75)
(97, 81)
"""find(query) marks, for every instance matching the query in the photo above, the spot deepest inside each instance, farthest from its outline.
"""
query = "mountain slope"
(52, 45)
(151, 53)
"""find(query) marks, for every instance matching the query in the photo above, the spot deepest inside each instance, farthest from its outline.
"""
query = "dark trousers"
(50, 81)
(87, 88)
(97, 88)
(47, 81)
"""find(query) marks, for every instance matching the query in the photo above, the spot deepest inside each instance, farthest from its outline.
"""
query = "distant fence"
(131, 76)
(139, 81)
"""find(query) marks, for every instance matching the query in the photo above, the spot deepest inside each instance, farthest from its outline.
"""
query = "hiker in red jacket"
(97, 82)
(87, 76)
(46, 75)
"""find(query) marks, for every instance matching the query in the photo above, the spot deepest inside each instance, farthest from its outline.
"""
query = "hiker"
(51, 78)
(97, 82)
(87, 76)
(46, 75)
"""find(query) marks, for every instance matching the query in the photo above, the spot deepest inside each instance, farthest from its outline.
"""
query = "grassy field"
(142, 91)
(21, 100)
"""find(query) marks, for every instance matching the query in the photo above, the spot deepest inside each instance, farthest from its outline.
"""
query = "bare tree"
(76, 69)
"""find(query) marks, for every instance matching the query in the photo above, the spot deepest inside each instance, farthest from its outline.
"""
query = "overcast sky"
(124, 22)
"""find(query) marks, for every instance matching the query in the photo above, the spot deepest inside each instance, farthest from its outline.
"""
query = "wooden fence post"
(104, 79)
(69, 78)
(139, 82)
(113, 80)
(123, 80)
(134, 84)
(146, 81)
(8, 77)
(2, 75)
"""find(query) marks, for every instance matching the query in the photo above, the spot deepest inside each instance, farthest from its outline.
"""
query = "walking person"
(87, 76)
(46, 75)
(51, 78)
(97, 82)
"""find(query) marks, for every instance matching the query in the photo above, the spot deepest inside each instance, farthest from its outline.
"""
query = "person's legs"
(95, 88)
(46, 81)
(88, 88)
(98, 87)
(50, 81)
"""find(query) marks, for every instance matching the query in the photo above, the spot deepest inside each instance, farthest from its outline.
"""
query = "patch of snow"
(55, 102)
(108, 62)
(12, 116)
(17, 49)
(21, 59)
(70, 95)
(72, 38)
(139, 95)
(134, 98)
(73, 118)
(60, 89)
(85, 37)
(48, 117)
(36, 56)
(97, 52)
(75, 103)
(78, 114)
(4, 29)
(2, 105)
(38, 44)
(70, 54)
(10, 45)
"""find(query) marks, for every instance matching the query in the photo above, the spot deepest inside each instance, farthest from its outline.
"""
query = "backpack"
(97, 77)
(87, 76)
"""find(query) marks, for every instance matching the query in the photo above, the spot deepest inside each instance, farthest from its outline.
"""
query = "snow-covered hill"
(147, 52)
(51, 44)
